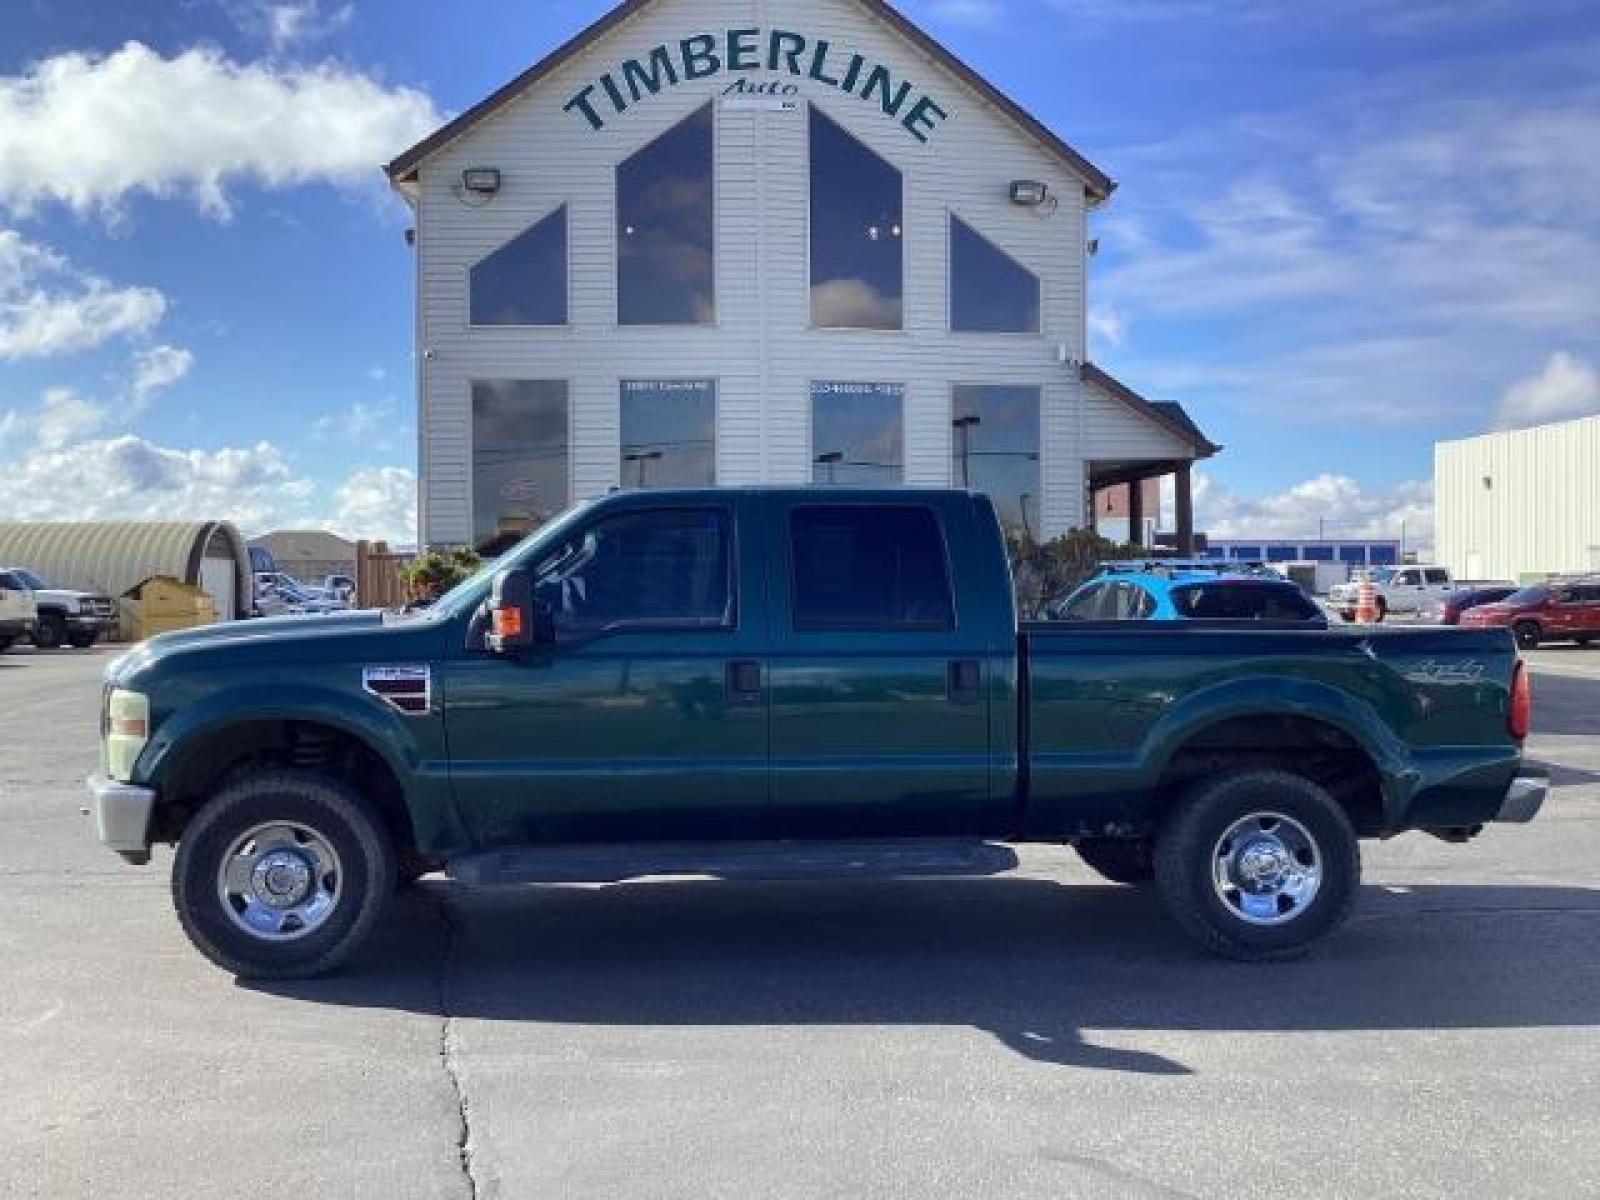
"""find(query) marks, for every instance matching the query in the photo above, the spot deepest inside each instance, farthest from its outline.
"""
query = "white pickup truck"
(19, 614)
(66, 615)
(1400, 590)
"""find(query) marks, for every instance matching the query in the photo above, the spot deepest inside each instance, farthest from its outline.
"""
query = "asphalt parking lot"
(1039, 1034)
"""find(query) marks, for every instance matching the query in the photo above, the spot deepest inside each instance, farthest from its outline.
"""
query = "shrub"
(431, 575)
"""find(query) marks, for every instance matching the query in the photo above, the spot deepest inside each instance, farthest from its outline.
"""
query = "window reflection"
(665, 273)
(856, 233)
(858, 433)
(995, 447)
(519, 455)
(990, 292)
(524, 282)
(669, 432)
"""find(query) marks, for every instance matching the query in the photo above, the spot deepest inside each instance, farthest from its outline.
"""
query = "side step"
(733, 860)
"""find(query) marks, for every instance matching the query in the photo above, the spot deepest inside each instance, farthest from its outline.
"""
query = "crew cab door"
(881, 665)
(646, 718)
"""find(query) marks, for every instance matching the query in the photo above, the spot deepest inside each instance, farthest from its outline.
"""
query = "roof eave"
(1202, 446)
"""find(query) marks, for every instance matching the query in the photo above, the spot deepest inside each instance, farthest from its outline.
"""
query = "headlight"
(127, 731)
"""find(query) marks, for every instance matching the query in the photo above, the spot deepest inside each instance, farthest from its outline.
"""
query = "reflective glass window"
(669, 432)
(858, 433)
(519, 455)
(665, 266)
(856, 233)
(990, 292)
(524, 282)
(869, 567)
(995, 449)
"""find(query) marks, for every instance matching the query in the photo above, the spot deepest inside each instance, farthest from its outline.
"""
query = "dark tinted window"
(669, 432)
(1530, 595)
(1282, 553)
(1233, 601)
(856, 246)
(665, 266)
(1435, 575)
(525, 281)
(1382, 555)
(659, 568)
(1317, 553)
(8, 580)
(990, 292)
(1353, 554)
(869, 567)
(519, 455)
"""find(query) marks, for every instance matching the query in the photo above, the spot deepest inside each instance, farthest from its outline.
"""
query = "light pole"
(963, 427)
(831, 460)
(1022, 503)
(641, 457)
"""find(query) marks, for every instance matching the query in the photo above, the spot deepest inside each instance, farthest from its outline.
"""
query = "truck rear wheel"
(282, 875)
(1121, 860)
(1257, 865)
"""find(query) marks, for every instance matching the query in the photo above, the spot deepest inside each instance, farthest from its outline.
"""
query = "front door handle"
(965, 681)
(743, 682)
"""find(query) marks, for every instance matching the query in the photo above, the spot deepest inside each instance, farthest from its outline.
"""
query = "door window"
(1437, 576)
(878, 567)
(656, 569)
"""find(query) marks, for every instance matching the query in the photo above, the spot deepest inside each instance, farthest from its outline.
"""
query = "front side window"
(519, 456)
(665, 219)
(995, 448)
(990, 292)
(669, 433)
(661, 568)
(857, 269)
(1436, 575)
(869, 567)
(858, 433)
(524, 282)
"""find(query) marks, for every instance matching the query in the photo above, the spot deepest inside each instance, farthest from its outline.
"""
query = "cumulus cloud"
(1107, 324)
(88, 131)
(1564, 388)
(378, 503)
(48, 306)
(853, 304)
(286, 24)
(156, 369)
(363, 422)
(1329, 505)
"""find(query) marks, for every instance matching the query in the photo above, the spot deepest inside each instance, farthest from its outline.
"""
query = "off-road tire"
(1121, 860)
(1527, 634)
(1189, 836)
(340, 815)
(82, 641)
(50, 632)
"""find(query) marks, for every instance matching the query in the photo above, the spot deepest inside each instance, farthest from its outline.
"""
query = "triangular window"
(525, 281)
(990, 292)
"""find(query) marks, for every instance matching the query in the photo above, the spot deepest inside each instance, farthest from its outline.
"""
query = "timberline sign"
(777, 52)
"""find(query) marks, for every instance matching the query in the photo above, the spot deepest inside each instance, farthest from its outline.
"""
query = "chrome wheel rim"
(1266, 869)
(280, 881)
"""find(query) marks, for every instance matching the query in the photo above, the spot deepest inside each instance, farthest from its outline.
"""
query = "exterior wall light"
(1030, 193)
(481, 181)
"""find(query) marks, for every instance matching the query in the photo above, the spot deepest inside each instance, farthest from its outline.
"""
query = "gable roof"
(1168, 414)
(1096, 183)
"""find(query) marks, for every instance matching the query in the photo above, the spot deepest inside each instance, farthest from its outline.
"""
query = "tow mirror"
(511, 613)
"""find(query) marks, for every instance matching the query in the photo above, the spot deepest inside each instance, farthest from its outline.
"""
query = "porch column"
(1136, 512)
(1184, 491)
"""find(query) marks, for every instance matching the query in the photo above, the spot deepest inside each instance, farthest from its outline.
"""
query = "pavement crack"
(450, 1052)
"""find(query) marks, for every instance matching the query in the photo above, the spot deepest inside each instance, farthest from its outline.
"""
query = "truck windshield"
(31, 581)
(1384, 575)
(469, 593)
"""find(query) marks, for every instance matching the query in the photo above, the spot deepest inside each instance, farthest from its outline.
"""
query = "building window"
(519, 456)
(1282, 553)
(990, 292)
(524, 282)
(869, 567)
(857, 264)
(669, 432)
(665, 264)
(995, 449)
(858, 433)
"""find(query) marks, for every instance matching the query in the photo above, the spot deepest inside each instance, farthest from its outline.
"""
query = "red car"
(1548, 612)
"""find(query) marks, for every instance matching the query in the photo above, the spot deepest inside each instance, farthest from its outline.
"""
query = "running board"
(732, 860)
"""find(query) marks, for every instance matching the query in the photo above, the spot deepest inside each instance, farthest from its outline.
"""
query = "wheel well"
(1322, 753)
(215, 760)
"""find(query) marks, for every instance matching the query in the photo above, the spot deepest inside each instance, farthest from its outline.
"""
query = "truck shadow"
(1565, 704)
(1057, 973)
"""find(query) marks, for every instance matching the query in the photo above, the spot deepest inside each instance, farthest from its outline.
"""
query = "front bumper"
(84, 622)
(121, 814)
(1524, 798)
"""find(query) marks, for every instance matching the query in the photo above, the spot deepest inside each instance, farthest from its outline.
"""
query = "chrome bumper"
(121, 816)
(1524, 798)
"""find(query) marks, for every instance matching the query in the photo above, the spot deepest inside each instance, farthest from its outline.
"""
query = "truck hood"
(268, 642)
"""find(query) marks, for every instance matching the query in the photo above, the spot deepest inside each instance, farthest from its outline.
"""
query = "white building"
(1520, 503)
(737, 241)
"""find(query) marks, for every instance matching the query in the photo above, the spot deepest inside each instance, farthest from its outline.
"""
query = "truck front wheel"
(282, 875)
(1257, 865)
(1121, 860)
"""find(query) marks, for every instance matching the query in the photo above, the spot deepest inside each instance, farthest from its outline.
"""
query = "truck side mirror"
(512, 619)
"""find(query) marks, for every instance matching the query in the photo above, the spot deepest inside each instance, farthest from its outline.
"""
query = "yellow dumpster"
(164, 604)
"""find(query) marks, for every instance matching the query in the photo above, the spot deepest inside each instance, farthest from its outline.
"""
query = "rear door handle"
(965, 681)
(743, 682)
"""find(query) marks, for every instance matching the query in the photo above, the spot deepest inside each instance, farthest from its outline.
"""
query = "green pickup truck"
(781, 683)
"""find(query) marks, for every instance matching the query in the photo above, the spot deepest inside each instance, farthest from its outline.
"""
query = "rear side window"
(1242, 602)
(8, 580)
(869, 567)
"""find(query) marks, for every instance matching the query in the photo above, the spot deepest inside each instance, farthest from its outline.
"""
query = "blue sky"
(1343, 231)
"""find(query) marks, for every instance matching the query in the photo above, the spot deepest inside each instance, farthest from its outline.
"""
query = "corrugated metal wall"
(113, 556)
(1522, 502)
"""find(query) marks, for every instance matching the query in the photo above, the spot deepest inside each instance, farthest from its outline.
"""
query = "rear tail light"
(1519, 715)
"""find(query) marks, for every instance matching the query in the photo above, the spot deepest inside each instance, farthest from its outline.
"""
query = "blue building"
(1354, 552)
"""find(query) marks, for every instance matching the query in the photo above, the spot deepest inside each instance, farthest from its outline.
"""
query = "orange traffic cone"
(1366, 602)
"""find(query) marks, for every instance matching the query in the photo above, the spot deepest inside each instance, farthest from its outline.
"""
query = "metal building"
(1521, 503)
(737, 241)
(114, 556)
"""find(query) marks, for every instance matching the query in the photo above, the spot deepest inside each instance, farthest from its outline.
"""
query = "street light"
(963, 426)
(831, 460)
(641, 457)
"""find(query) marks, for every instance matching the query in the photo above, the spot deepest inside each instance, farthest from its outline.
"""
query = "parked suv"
(76, 618)
(1567, 611)
(18, 610)
(1187, 596)
(1448, 611)
(1400, 590)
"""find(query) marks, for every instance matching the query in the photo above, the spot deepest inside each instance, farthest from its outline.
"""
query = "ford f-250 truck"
(772, 683)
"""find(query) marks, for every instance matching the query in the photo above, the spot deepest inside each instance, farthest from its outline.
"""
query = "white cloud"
(89, 131)
(48, 306)
(1107, 324)
(65, 417)
(371, 424)
(156, 369)
(1564, 388)
(285, 24)
(378, 503)
(1334, 506)
(974, 13)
